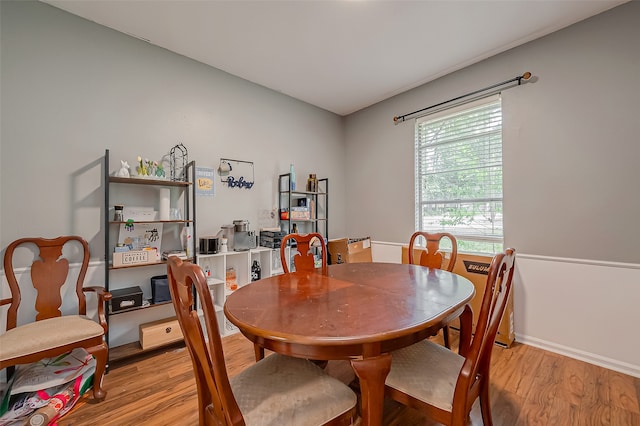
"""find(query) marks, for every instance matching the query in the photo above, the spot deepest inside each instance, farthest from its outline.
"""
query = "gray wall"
(71, 88)
(571, 147)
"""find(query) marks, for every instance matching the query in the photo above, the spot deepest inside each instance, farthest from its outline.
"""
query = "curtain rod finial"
(526, 75)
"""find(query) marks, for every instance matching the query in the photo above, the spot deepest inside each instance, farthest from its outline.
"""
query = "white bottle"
(293, 177)
(187, 241)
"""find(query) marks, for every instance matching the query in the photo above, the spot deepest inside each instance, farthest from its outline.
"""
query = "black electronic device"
(160, 289)
(209, 245)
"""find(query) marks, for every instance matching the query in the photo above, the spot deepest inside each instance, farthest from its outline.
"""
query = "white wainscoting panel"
(386, 252)
(587, 310)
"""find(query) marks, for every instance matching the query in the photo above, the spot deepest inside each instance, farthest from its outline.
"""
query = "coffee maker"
(243, 239)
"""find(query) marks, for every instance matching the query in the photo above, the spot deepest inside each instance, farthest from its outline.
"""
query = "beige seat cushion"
(46, 334)
(281, 390)
(426, 371)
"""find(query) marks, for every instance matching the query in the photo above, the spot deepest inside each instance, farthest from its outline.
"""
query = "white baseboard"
(611, 364)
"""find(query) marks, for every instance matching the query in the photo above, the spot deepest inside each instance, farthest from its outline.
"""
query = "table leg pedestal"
(372, 373)
(259, 351)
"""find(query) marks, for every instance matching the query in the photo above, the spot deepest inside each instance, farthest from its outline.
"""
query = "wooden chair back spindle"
(304, 260)
(431, 256)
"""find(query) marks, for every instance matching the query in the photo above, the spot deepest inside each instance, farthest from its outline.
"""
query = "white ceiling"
(341, 56)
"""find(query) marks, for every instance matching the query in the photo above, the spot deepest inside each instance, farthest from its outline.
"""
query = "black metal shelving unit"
(189, 220)
(319, 218)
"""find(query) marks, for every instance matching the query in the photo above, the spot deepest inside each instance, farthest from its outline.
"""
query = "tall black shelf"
(318, 219)
(187, 189)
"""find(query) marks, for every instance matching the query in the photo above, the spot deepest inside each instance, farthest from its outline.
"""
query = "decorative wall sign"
(135, 235)
(204, 182)
(236, 173)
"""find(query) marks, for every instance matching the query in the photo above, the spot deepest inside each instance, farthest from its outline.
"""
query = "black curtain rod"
(526, 76)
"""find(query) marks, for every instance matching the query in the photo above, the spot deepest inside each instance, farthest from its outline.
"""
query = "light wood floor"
(529, 387)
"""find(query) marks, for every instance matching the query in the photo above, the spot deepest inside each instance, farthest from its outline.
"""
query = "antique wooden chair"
(52, 333)
(432, 257)
(277, 390)
(304, 260)
(443, 384)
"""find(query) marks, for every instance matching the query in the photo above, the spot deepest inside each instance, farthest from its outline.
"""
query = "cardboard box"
(135, 257)
(346, 250)
(299, 214)
(159, 333)
(475, 268)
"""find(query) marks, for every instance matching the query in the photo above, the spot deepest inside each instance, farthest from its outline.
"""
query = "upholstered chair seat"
(46, 334)
(281, 390)
(432, 385)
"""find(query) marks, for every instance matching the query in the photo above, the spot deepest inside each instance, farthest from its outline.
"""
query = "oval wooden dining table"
(359, 311)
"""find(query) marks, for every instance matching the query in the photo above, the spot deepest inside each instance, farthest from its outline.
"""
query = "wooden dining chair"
(52, 333)
(304, 260)
(443, 384)
(277, 390)
(432, 257)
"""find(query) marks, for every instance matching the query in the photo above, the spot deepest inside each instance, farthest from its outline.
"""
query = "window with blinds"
(459, 174)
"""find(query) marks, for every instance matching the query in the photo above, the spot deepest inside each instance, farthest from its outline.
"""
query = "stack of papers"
(180, 253)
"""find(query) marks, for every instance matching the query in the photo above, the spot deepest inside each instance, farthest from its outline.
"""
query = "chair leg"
(445, 333)
(485, 402)
(101, 353)
(259, 351)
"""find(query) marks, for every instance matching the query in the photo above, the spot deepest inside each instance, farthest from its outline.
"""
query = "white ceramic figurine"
(124, 169)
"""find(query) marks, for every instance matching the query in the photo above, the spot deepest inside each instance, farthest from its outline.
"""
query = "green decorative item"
(150, 169)
(141, 168)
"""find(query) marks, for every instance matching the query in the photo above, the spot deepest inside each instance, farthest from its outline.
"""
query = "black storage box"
(160, 289)
(126, 298)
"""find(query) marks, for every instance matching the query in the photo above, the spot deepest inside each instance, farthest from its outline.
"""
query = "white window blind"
(459, 174)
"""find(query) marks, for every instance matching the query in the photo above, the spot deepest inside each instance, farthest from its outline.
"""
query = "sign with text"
(204, 182)
(236, 173)
(476, 267)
